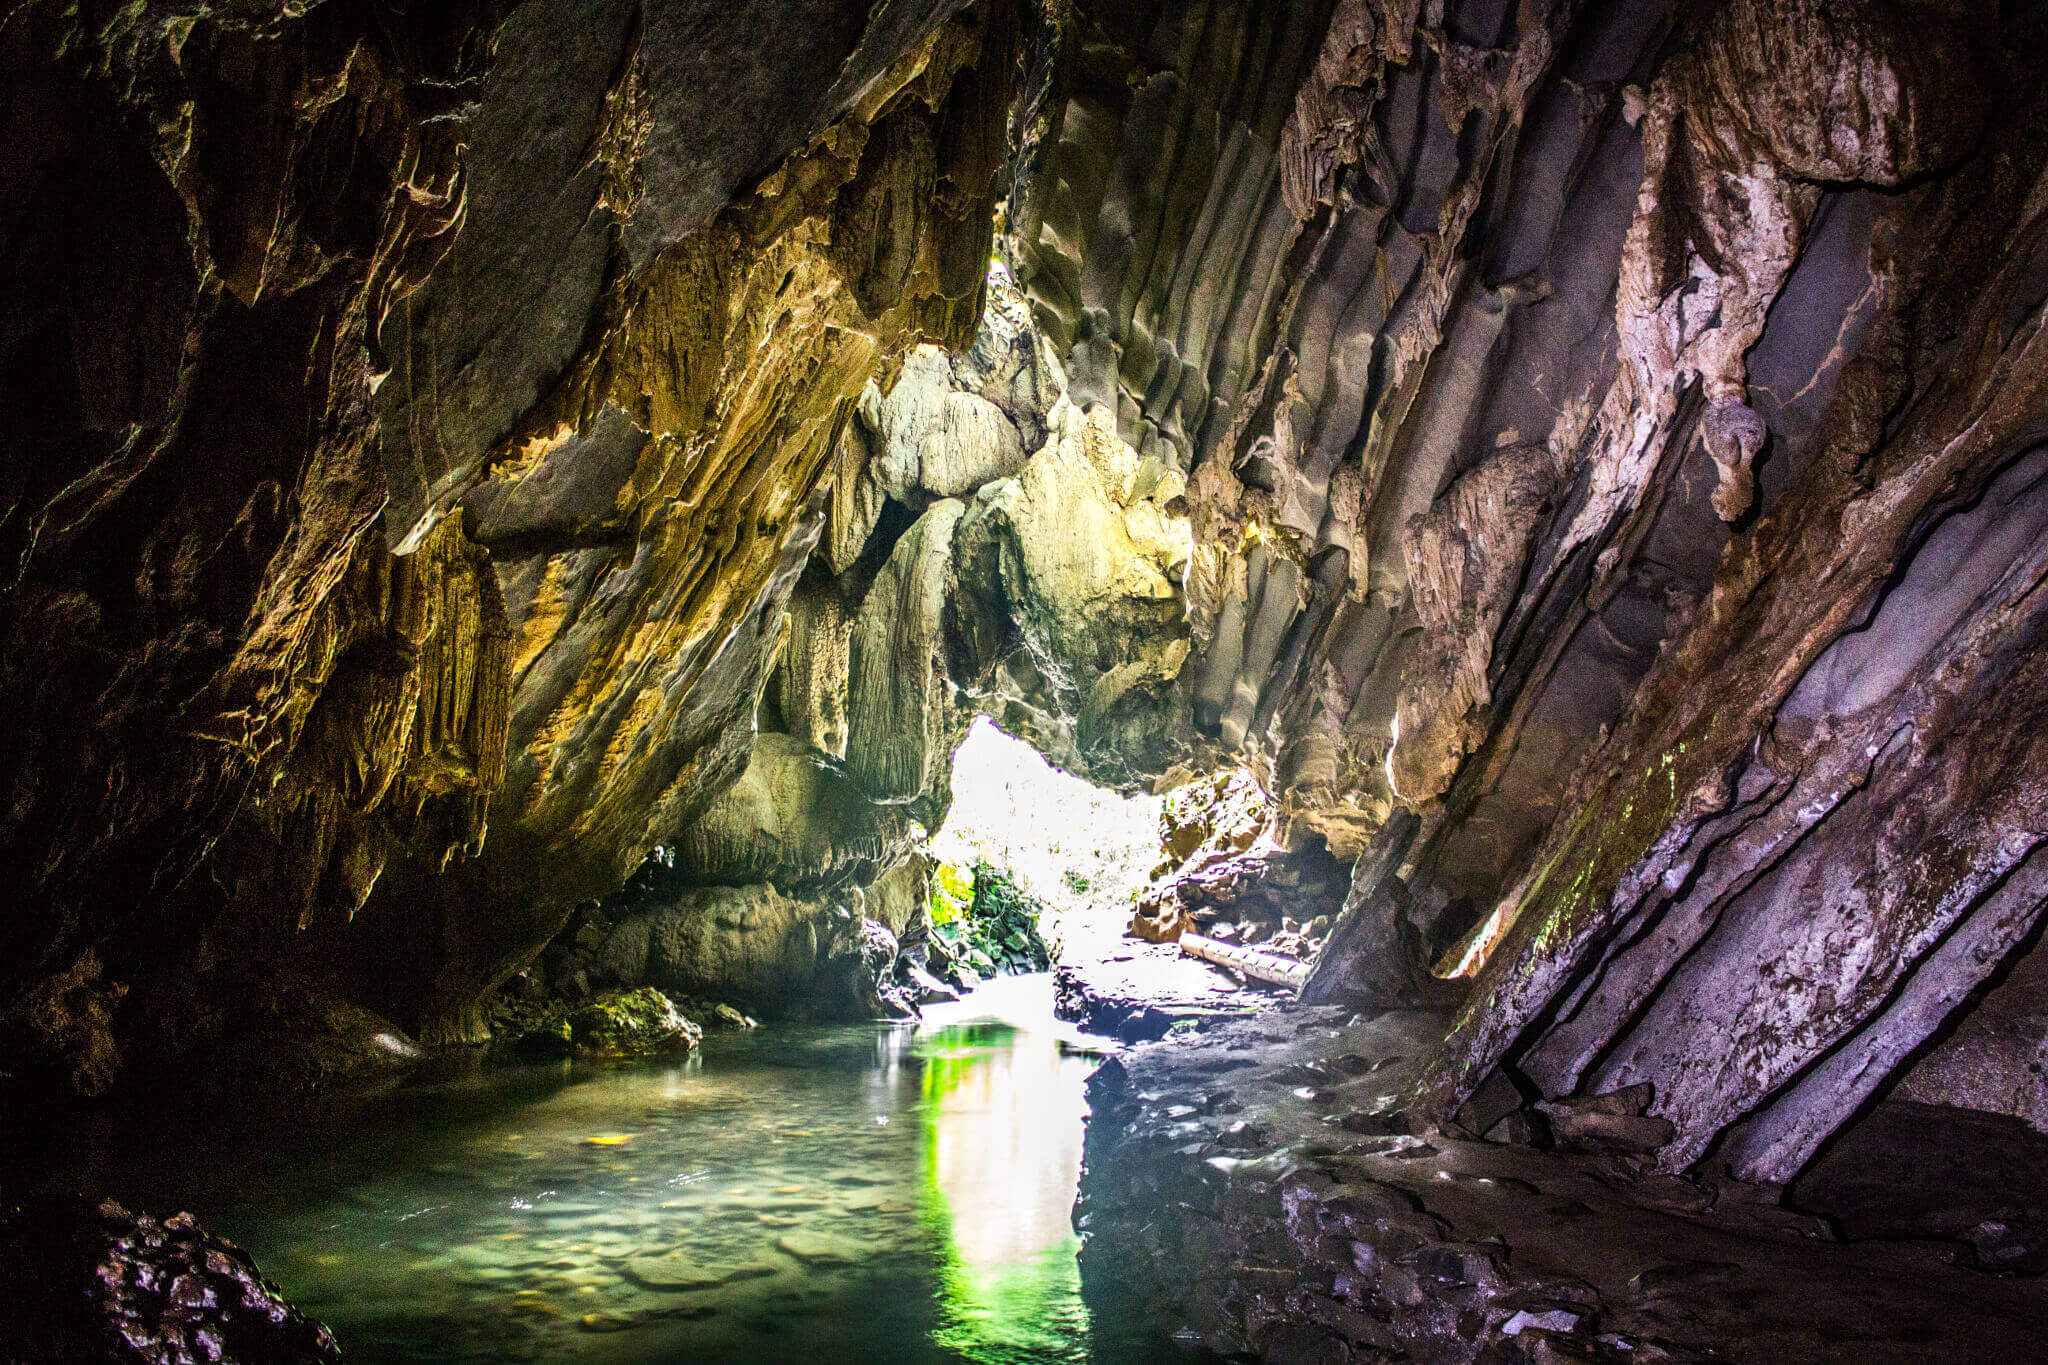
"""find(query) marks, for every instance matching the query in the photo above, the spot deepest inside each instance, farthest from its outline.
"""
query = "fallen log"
(1281, 971)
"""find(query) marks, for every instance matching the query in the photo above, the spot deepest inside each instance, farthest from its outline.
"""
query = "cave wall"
(1609, 435)
(218, 678)
(1300, 252)
(423, 415)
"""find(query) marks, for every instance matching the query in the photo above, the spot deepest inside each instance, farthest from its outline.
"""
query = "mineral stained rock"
(624, 1023)
(228, 701)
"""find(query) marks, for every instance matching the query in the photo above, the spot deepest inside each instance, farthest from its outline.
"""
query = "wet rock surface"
(81, 1283)
(1122, 987)
(1268, 1187)
(631, 1023)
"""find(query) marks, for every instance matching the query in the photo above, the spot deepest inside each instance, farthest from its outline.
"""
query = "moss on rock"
(635, 1023)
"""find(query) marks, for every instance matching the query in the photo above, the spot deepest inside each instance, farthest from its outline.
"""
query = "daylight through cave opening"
(1030, 857)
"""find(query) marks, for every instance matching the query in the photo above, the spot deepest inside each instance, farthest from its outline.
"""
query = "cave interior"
(1524, 523)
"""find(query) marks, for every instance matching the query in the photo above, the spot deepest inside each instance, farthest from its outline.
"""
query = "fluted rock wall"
(1609, 436)
(1260, 230)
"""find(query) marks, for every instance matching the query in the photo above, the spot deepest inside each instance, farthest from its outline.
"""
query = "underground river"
(888, 1193)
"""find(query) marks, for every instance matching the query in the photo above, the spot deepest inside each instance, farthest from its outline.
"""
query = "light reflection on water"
(865, 1193)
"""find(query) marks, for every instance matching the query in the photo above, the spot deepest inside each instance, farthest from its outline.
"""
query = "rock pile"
(1283, 902)
(1268, 1188)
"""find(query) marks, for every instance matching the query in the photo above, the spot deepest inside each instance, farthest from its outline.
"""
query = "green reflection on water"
(1000, 1154)
(875, 1195)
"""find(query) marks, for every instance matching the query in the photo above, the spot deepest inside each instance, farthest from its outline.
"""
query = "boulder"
(83, 1282)
(624, 1023)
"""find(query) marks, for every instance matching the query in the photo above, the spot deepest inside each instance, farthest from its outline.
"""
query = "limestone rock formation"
(1281, 900)
(1586, 462)
(1609, 435)
(783, 955)
(1043, 588)
(625, 1023)
(427, 425)
(650, 506)
(227, 699)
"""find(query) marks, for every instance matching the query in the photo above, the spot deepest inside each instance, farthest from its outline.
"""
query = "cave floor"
(1260, 1188)
(1123, 987)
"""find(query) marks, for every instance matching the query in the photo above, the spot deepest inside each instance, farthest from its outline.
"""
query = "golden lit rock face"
(407, 725)
(739, 354)
(646, 583)
(1042, 589)
(596, 442)
(1088, 546)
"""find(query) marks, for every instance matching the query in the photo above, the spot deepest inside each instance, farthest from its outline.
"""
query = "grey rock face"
(1524, 371)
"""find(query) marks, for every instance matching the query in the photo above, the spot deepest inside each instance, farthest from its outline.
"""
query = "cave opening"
(1071, 856)
(1157, 912)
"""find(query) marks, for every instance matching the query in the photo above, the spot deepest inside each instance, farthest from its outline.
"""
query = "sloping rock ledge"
(1259, 1189)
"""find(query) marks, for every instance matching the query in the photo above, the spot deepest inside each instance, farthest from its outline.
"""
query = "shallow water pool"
(865, 1193)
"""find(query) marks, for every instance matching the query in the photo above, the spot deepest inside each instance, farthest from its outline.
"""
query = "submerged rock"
(821, 1249)
(675, 1273)
(725, 1016)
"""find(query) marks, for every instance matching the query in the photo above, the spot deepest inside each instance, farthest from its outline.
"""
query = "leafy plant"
(952, 892)
(996, 928)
